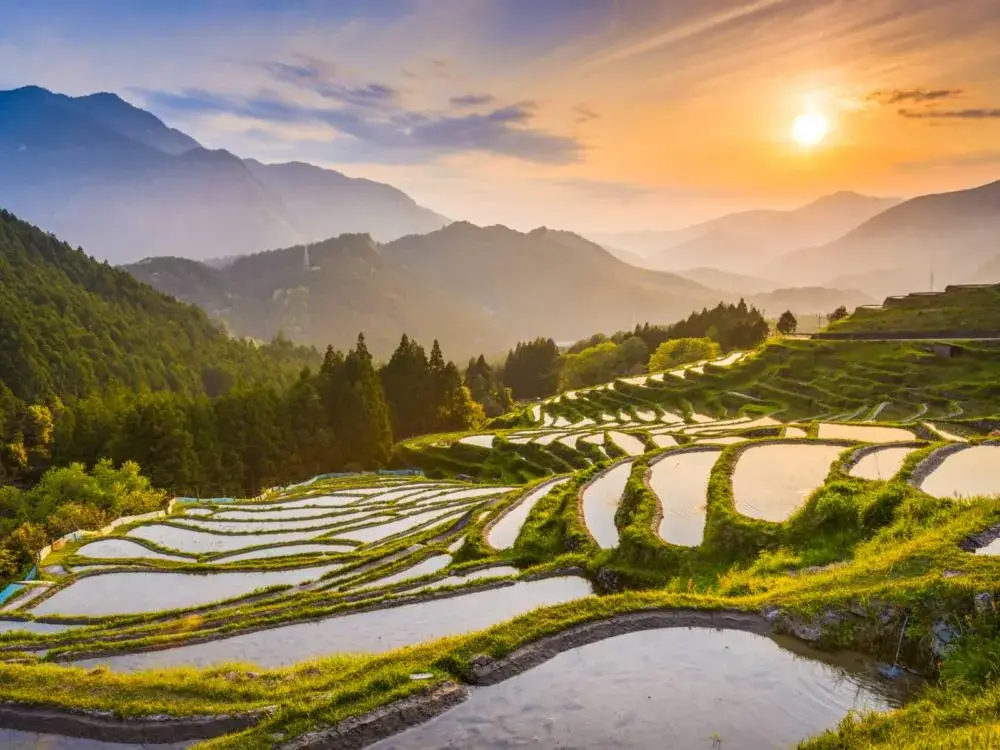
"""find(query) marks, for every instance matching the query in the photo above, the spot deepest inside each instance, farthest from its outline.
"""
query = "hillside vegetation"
(958, 309)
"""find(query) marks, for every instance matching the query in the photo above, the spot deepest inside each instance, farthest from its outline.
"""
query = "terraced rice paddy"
(864, 433)
(599, 503)
(674, 689)
(374, 631)
(881, 464)
(680, 483)
(650, 491)
(503, 533)
(970, 472)
(773, 481)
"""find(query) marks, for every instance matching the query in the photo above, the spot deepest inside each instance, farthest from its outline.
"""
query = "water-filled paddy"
(631, 445)
(680, 481)
(672, 689)
(198, 542)
(373, 631)
(127, 592)
(600, 504)
(882, 463)
(383, 531)
(426, 567)
(970, 472)
(503, 533)
(118, 549)
(865, 433)
(9, 626)
(481, 441)
(286, 550)
(664, 441)
(773, 481)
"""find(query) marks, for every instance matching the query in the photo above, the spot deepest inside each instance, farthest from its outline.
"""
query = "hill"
(474, 288)
(742, 242)
(350, 286)
(808, 300)
(545, 280)
(734, 283)
(958, 310)
(114, 178)
(948, 235)
(988, 273)
(72, 326)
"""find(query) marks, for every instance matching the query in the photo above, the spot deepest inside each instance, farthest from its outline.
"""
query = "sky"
(593, 115)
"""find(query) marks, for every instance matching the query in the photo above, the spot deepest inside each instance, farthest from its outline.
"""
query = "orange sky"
(592, 114)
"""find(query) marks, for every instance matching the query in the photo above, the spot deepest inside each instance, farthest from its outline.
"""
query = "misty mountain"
(988, 273)
(545, 282)
(949, 235)
(350, 286)
(114, 178)
(734, 283)
(477, 289)
(742, 242)
(808, 300)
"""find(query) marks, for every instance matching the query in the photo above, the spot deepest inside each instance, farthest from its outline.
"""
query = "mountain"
(475, 288)
(734, 283)
(74, 326)
(322, 203)
(988, 273)
(349, 286)
(544, 282)
(949, 235)
(743, 242)
(104, 174)
(808, 300)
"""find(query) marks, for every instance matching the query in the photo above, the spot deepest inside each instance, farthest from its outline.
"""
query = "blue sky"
(588, 114)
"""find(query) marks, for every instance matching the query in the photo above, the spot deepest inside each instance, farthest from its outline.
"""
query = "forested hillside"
(96, 365)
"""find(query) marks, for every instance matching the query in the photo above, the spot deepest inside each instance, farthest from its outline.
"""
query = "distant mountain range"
(947, 236)
(113, 178)
(743, 242)
(475, 288)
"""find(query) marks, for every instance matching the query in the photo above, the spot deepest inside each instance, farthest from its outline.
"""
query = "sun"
(810, 128)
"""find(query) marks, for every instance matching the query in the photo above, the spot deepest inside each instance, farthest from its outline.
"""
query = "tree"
(839, 314)
(677, 352)
(787, 323)
(485, 386)
(532, 369)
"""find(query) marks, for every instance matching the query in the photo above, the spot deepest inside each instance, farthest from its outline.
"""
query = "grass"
(856, 558)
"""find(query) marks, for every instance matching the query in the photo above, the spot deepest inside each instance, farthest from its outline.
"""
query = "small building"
(946, 351)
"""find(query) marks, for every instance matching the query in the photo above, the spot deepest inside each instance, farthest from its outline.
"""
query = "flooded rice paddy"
(374, 631)
(671, 689)
(680, 482)
(881, 464)
(773, 481)
(504, 532)
(970, 472)
(864, 433)
(600, 500)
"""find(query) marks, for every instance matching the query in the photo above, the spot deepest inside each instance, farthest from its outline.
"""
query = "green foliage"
(975, 309)
(677, 352)
(486, 388)
(787, 323)
(839, 314)
(532, 369)
(602, 363)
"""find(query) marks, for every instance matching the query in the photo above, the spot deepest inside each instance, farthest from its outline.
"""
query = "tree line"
(536, 369)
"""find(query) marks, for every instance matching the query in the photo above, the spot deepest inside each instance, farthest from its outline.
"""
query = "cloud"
(895, 96)
(473, 100)
(321, 78)
(393, 134)
(951, 114)
(584, 114)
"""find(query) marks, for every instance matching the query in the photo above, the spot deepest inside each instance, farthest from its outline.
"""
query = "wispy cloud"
(387, 133)
(321, 78)
(895, 96)
(583, 113)
(951, 114)
(473, 100)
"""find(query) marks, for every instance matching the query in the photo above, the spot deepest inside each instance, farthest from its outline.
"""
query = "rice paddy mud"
(586, 558)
